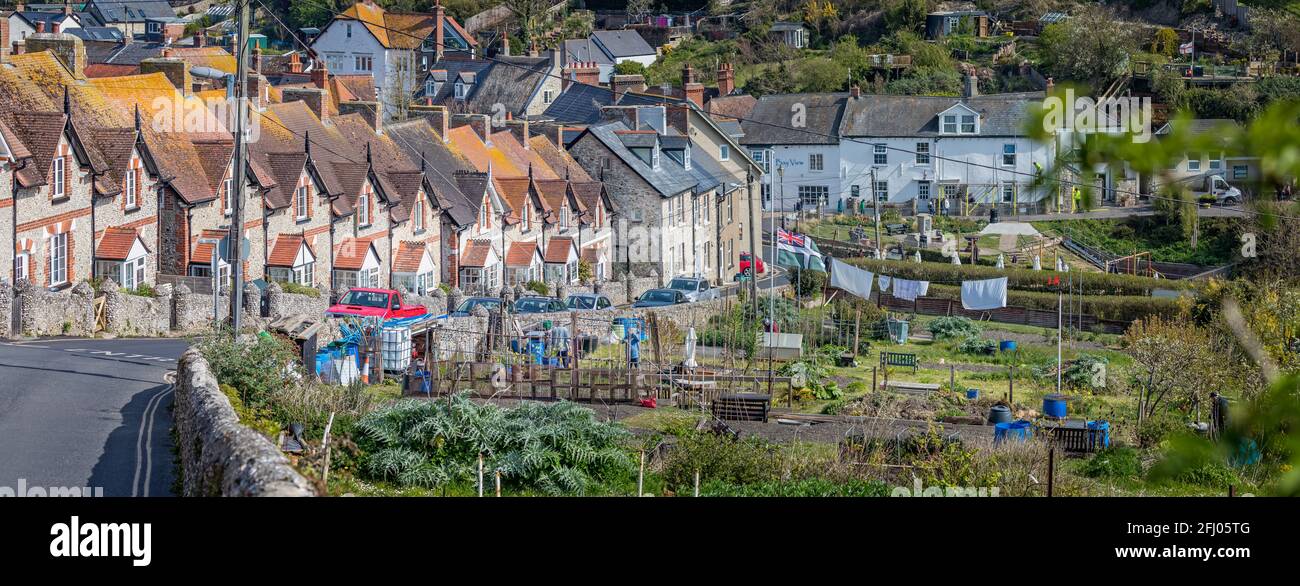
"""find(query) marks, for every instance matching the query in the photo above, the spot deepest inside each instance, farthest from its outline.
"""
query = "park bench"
(742, 407)
(893, 229)
(899, 359)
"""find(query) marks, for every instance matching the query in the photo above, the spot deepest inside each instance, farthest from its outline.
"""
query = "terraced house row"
(129, 177)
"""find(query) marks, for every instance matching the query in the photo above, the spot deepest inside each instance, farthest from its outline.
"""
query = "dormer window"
(968, 124)
(654, 157)
(430, 88)
(461, 90)
(959, 120)
(950, 124)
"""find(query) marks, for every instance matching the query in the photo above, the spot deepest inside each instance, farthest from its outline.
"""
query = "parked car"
(538, 304)
(588, 301)
(695, 288)
(660, 298)
(467, 307)
(384, 304)
(746, 258)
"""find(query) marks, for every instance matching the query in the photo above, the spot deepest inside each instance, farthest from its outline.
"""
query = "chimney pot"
(40, 27)
(855, 91)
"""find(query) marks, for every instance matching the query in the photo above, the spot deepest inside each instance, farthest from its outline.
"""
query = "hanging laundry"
(883, 281)
(852, 279)
(909, 290)
(982, 295)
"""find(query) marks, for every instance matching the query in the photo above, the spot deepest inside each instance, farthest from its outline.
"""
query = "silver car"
(695, 288)
(581, 301)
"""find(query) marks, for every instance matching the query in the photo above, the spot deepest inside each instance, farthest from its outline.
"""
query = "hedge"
(1105, 307)
(1088, 283)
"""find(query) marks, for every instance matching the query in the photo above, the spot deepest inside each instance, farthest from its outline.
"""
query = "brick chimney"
(622, 84)
(438, 116)
(40, 27)
(68, 49)
(314, 98)
(691, 86)
(295, 63)
(172, 32)
(176, 70)
(481, 123)
(726, 79)
(679, 117)
(320, 75)
(370, 111)
(855, 91)
(4, 40)
(505, 45)
(439, 15)
(200, 38)
(256, 90)
(257, 59)
(585, 73)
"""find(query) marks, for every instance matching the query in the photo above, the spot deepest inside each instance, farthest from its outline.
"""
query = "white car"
(695, 288)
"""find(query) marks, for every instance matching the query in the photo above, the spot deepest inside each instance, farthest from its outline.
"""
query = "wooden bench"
(742, 407)
(899, 359)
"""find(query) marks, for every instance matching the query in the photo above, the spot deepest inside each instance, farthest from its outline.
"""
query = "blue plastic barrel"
(323, 361)
(1098, 433)
(1056, 406)
(1008, 345)
(972, 394)
(1012, 430)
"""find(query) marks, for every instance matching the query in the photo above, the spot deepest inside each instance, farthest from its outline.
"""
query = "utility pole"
(241, 162)
(753, 239)
(875, 199)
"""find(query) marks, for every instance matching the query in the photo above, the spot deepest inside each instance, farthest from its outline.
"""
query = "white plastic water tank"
(396, 348)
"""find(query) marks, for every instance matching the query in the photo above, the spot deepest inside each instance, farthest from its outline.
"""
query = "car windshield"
(582, 302)
(365, 299)
(684, 284)
(659, 295)
(533, 305)
(468, 305)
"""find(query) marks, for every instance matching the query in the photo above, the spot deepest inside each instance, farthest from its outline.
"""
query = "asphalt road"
(88, 413)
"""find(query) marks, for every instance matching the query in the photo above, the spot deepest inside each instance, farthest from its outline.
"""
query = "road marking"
(144, 443)
(124, 355)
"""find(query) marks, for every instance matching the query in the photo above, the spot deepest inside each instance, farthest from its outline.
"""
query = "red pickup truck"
(384, 304)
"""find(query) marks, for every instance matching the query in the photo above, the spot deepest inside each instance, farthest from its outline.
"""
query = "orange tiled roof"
(350, 255)
(116, 243)
(476, 254)
(557, 250)
(408, 256)
(521, 254)
(465, 142)
(285, 251)
(203, 250)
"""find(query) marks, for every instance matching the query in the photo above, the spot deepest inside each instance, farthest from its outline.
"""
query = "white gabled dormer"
(959, 120)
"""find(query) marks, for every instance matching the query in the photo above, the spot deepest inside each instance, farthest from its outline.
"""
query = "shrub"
(1080, 373)
(142, 290)
(1113, 462)
(557, 448)
(296, 289)
(255, 368)
(720, 459)
(977, 345)
(808, 284)
(945, 328)
(538, 287)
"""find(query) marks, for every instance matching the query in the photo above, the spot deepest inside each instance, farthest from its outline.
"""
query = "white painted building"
(925, 149)
(795, 137)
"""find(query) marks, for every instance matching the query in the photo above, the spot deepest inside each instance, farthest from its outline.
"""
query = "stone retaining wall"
(218, 455)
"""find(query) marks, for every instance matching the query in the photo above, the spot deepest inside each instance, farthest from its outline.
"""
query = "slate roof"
(96, 33)
(110, 11)
(730, 108)
(581, 103)
(906, 116)
(768, 123)
(509, 81)
(622, 43)
(584, 51)
(419, 140)
(669, 179)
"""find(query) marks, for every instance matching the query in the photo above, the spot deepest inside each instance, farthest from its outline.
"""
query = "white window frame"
(363, 210)
(923, 153)
(363, 62)
(724, 153)
(816, 162)
(879, 154)
(21, 261)
(228, 185)
(417, 215)
(1008, 192)
(1194, 162)
(950, 125)
(881, 190)
(131, 195)
(969, 124)
(300, 202)
(60, 181)
(59, 259)
(305, 274)
(460, 90)
(1009, 156)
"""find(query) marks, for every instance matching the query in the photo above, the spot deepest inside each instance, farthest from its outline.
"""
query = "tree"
(1091, 47)
(638, 9)
(629, 68)
(905, 15)
(820, 74)
(578, 24)
(1175, 360)
(532, 16)
(315, 13)
(1165, 42)
(1272, 32)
